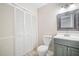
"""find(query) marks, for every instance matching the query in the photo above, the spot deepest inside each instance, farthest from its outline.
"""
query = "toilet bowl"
(43, 49)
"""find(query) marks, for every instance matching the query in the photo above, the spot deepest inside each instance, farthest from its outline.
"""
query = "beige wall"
(6, 30)
(47, 21)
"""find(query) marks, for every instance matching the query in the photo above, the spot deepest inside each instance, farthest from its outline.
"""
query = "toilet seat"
(42, 48)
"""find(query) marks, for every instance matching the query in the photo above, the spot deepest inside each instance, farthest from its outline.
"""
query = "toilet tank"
(47, 39)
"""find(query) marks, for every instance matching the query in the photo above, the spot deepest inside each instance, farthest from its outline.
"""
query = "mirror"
(68, 21)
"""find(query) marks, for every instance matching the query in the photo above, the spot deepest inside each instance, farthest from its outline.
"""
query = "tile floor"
(35, 53)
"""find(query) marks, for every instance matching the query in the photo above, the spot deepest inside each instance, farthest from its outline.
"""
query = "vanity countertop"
(70, 37)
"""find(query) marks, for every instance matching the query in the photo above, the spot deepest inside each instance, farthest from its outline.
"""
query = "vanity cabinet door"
(73, 52)
(60, 50)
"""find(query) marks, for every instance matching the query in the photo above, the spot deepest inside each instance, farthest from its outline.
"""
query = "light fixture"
(72, 7)
(66, 5)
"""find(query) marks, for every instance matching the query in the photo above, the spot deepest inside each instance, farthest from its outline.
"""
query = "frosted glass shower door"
(28, 32)
(19, 32)
(25, 32)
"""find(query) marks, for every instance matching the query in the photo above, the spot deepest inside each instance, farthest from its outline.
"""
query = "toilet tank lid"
(47, 35)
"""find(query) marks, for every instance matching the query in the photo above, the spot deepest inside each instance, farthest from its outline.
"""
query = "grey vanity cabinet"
(60, 50)
(73, 52)
(64, 47)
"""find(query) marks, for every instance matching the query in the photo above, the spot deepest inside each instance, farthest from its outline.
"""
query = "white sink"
(68, 37)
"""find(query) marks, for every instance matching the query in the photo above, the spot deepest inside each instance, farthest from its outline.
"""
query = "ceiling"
(32, 5)
(35, 6)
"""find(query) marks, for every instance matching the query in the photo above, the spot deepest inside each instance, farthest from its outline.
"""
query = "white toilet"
(43, 49)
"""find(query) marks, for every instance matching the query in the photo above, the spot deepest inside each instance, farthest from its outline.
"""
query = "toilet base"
(43, 54)
(48, 53)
